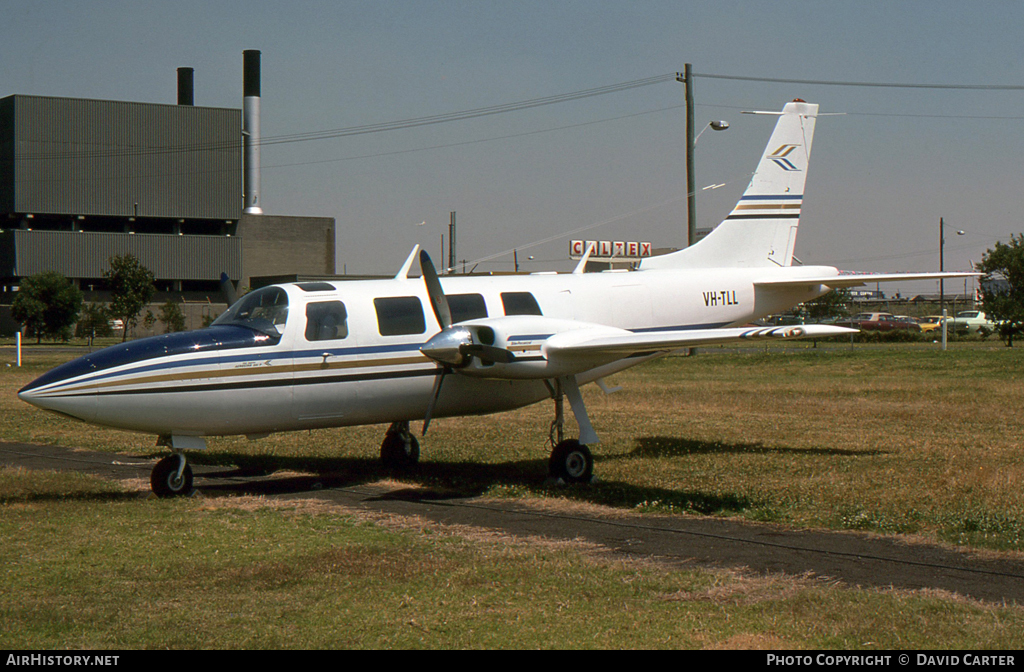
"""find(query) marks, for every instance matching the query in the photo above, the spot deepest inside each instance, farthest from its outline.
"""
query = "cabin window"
(326, 321)
(399, 316)
(466, 307)
(265, 310)
(520, 303)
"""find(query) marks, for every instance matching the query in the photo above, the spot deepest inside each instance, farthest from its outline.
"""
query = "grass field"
(900, 439)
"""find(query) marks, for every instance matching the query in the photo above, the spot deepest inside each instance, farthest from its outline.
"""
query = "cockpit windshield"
(265, 311)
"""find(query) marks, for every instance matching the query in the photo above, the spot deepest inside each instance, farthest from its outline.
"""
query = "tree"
(94, 322)
(131, 288)
(828, 305)
(172, 317)
(47, 304)
(1002, 287)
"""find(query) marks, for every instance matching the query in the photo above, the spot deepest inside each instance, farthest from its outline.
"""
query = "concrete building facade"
(84, 180)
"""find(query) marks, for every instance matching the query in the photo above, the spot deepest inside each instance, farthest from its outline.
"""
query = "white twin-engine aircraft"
(331, 354)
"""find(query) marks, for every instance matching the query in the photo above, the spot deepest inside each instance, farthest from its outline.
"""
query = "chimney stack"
(185, 88)
(251, 130)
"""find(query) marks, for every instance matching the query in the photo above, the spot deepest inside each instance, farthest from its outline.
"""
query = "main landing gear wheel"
(171, 477)
(572, 462)
(400, 451)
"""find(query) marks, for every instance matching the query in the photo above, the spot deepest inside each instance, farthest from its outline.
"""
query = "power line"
(969, 117)
(370, 128)
(888, 85)
(474, 113)
(468, 114)
(513, 107)
(477, 141)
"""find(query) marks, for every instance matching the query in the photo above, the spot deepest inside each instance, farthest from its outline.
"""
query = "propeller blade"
(433, 400)
(438, 301)
(487, 353)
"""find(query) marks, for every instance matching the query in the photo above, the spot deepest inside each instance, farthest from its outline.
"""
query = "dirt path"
(690, 541)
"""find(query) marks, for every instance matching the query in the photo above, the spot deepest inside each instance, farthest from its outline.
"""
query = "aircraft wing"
(861, 279)
(580, 345)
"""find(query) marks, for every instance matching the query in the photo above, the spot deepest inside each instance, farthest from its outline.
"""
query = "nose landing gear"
(171, 477)
(400, 451)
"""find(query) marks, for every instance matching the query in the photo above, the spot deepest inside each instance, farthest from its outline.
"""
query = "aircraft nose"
(49, 395)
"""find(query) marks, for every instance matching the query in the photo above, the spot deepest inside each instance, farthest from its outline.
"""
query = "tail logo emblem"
(779, 157)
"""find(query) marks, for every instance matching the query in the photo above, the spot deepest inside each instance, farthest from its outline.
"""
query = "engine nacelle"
(515, 346)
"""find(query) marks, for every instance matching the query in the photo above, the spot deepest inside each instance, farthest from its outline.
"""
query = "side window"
(399, 315)
(466, 307)
(520, 303)
(326, 321)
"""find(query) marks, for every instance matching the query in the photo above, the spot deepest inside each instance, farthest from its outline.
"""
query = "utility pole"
(942, 265)
(451, 244)
(691, 182)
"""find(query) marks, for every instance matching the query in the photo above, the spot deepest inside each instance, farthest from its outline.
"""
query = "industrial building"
(177, 186)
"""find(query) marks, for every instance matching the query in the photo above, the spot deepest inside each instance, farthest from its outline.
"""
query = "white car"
(972, 322)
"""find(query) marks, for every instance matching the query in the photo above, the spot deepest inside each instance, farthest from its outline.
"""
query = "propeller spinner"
(452, 347)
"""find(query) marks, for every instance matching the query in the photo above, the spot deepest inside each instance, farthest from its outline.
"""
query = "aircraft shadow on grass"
(673, 446)
(439, 481)
(44, 497)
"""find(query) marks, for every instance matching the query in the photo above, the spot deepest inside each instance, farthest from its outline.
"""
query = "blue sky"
(880, 176)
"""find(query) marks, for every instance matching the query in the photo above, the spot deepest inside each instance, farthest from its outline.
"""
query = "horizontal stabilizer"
(861, 279)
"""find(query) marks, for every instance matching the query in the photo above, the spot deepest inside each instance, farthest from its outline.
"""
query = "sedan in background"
(879, 322)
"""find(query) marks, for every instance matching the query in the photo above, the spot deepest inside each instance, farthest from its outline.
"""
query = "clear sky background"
(880, 176)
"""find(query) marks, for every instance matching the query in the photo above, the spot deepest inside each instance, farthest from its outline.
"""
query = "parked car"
(782, 320)
(878, 322)
(933, 322)
(972, 322)
(911, 323)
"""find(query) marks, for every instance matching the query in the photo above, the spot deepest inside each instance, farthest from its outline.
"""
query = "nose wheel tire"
(400, 451)
(572, 462)
(171, 477)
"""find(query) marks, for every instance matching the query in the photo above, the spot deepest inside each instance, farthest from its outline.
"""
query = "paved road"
(687, 541)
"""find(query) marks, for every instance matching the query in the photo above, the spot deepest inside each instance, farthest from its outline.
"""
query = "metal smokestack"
(185, 87)
(251, 130)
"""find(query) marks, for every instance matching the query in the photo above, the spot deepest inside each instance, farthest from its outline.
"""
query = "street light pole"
(942, 269)
(686, 77)
(942, 264)
(691, 183)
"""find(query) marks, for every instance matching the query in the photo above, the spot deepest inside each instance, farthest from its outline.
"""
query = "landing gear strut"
(571, 460)
(171, 477)
(400, 450)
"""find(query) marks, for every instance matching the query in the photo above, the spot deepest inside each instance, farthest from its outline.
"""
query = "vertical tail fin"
(761, 229)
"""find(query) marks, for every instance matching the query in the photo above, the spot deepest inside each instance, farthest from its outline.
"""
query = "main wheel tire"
(399, 453)
(164, 479)
(572, 462)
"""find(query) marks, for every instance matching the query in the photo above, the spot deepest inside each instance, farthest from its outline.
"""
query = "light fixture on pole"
(714, 126)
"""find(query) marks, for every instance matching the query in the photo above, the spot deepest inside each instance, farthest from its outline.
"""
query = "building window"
(520, 303)
(399, 316)
(326, 321)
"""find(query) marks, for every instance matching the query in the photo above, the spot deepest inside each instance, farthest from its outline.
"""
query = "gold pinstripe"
(787, 206)
(210, 374)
